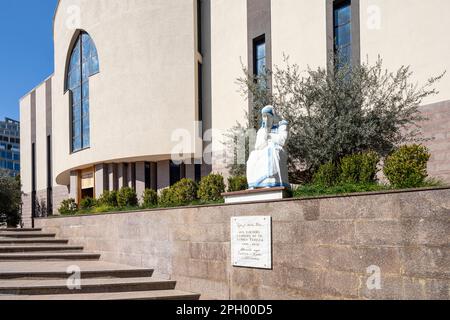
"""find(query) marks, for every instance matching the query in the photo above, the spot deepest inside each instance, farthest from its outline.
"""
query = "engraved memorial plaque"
(251, 242)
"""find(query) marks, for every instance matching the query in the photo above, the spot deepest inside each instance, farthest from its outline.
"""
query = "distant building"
(10, 146)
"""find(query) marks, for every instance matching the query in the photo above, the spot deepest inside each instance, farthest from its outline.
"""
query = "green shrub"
(369, 167)
(359, 168)
(237, 183)
(150, 198)
(102, 208)
(311, 190)
(434, 183)
(68, 207)
(407, 166)
(108, 198)
(350, 168)
(211, 188)
(166, 198)
(184, 192)
(87, 203)
(126, 197)
(327, 175)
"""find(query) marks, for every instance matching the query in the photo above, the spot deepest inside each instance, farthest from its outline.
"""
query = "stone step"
(58, 270)
(138, 295)
(20, 230)
(49, 256)
(54, 287)
(34, 265)
(5, 248)
(32, 241)
(20, 235)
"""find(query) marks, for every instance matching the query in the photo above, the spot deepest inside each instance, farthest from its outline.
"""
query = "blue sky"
(26, 50)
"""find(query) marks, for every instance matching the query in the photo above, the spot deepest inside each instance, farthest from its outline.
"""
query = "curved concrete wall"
(146, 86)
(25, 148)
(402, 32)
(228, 42)
(409, 32)
(299, 31)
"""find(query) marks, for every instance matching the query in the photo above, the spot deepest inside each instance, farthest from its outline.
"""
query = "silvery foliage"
(334, 112)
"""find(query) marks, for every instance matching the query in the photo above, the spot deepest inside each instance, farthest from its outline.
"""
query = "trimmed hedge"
(184, 192)
(237, 183)
(166, 198)
(327, 175)
(126, 197)
(149, 198)
(108, 198)
(68, 207)
(88, 203)
(407, 166)
(359, 168)
(211, 188)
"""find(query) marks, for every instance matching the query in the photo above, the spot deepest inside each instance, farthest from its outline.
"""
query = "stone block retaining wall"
(321, 247)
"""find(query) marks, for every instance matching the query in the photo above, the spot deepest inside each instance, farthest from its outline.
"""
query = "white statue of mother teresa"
(267, 165)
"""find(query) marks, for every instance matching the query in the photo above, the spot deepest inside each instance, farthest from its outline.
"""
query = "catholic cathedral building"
(132, 76)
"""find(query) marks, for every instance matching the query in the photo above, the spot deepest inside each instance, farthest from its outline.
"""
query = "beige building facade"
(132, 79)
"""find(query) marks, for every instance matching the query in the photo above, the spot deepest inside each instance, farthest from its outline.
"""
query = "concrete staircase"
(34, 265)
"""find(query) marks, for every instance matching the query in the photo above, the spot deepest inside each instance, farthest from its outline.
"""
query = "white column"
(100, 177)
(74, 185)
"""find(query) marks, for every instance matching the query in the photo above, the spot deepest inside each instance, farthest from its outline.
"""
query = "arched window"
(83, 64)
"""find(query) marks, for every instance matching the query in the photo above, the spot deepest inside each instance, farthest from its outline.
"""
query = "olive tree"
(335, 112)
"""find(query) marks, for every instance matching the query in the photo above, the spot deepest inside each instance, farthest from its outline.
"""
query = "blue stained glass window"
(343, 33)
(260, 57)
(86, 140)
(85, 91)
(85, 108)
(76, 109)
(76, 128)
(94, 65)
(86, 40)
(75, 58)
(260, 60)
(76, 96)
(76, 143)
(83, 64)
(85, 72)
(261, 51)
(342, 14)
